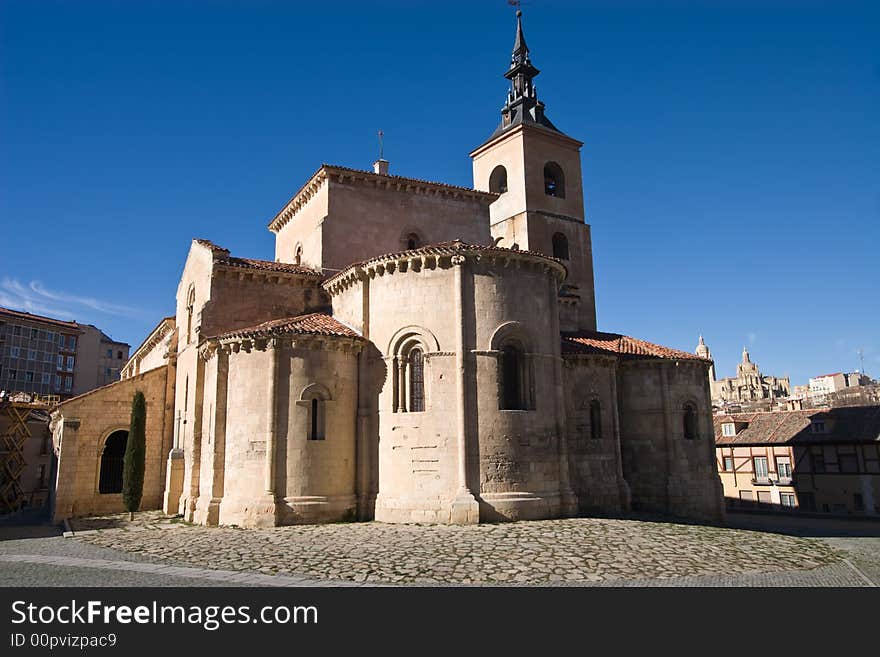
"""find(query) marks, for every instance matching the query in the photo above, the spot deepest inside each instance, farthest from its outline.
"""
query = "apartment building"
(50, 356)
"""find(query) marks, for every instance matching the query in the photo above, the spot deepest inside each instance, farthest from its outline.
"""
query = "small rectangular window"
(787, 500)
(32, 354)
(68, 383)
(728, 464)
(16, 329)
(783, 467)
(818, 460)
(70, 364)
(60, 361)
(14, 352)
(13, 374)
(119, 355)
(728, 429)
(109, 353)
(29, 377)
(35, 333)
(57, 382)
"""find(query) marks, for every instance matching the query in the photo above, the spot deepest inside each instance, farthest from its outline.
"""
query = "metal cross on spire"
(381, 135)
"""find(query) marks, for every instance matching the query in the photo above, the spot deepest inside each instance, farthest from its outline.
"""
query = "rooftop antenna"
(380, 166)
(861, 353)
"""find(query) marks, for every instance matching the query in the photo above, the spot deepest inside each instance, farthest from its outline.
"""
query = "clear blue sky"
(731, 158)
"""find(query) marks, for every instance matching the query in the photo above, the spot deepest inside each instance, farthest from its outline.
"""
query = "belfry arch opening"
(560, 246)
(554, 180)
(498, 180)
(110, 479)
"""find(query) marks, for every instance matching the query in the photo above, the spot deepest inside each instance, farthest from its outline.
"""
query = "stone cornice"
(441, 257)
(345, 175)
(303, 196)
(234, 345)
(162, 330)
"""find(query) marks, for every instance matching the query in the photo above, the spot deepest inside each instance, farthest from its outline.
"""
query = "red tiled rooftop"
(852, 424)
(313, 324)
(222, 257)
(597, 342)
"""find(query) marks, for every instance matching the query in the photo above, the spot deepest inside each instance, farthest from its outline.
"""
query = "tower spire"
(522, 104)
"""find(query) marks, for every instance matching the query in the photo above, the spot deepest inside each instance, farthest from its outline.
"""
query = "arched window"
(554, 180)
(560, 246)
(512, 362)
(110, 480)
(314, 399)
(412, 241)
(689, 419)
(595, 420)
(498, 180)
(313, 421)
(190, 304)
(416, 381)
(298, 254)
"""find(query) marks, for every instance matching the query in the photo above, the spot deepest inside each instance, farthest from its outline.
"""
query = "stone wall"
(594, 451)
(666, 472)
(81, 426)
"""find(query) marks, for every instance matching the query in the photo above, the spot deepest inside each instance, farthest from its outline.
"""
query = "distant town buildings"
(824, 460)
(49, 356)
(748, 386)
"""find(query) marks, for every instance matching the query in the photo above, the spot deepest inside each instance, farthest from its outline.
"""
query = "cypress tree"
(135, 456)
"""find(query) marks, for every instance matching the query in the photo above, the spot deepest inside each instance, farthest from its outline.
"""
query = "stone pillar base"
(173, 483)
(253, 512)
(625, 495)
(208, 513)
(465, 509)
(568, 504)
(520, 506)
(313, 509)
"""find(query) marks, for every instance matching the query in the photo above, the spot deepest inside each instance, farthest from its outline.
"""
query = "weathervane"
(381, 146)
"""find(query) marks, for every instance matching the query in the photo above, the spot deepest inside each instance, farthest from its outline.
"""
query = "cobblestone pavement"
(592, 551)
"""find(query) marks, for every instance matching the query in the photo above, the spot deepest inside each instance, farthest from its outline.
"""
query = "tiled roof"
(313, 324)
(851, 424)
(222, 257)
(269, 265)
(448, 248)
(18, 314)
(597, 342)
(404, 179)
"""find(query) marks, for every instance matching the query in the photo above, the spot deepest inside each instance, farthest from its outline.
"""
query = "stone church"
(415, 352)
(749, 385)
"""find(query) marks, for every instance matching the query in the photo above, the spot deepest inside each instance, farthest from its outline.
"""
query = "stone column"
(568, 502)
(465, 509)
(622, 484)
(218, 456)
(401, 385)
(272, 350)
(668, 431)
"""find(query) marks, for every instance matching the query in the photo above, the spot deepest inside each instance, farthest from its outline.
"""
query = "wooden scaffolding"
(15, 411)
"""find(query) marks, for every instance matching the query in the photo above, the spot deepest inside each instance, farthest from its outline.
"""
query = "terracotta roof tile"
(222, 257)
(269, 265)
(597, 342)
(313, 324)
(851, 424)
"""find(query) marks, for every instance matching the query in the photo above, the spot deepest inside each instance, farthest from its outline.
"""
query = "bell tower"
(536, 169)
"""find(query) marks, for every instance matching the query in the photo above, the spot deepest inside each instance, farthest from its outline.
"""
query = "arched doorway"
(112, 457)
